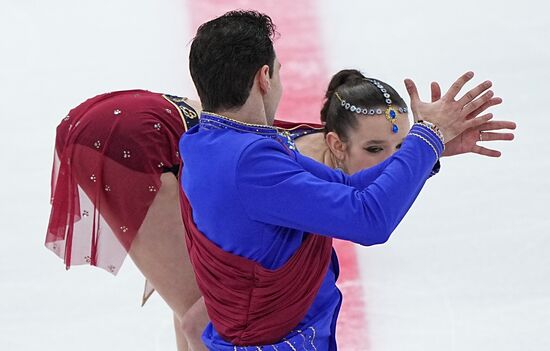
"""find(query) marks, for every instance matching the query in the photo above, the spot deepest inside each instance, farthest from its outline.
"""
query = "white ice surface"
(468, 268)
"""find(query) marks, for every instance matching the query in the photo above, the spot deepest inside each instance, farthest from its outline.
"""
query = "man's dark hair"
(225, 55)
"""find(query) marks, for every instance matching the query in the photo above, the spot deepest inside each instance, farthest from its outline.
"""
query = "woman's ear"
(264, 80)
(336, 146)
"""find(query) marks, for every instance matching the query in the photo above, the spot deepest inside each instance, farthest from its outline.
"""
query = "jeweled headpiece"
(390, 112)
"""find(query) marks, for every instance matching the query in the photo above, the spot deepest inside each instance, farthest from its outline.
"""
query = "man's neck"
(251, 112)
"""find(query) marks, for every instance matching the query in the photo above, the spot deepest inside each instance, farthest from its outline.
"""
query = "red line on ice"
(304, 77)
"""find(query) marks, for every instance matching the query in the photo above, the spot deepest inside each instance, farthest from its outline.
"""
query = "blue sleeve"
(359, 180)
(274, 188)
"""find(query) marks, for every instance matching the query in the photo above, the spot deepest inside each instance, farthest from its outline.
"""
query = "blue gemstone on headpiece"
(395, 128)
(392, 113)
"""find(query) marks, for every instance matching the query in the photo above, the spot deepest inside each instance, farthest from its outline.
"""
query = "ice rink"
(467, 269)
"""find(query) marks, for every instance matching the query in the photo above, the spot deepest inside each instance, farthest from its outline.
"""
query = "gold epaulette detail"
(188, 115)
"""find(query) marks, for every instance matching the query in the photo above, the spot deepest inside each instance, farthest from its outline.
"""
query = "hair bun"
(345, 76)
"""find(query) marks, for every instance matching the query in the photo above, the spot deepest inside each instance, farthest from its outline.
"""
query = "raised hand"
(450, 115)
(467, 141)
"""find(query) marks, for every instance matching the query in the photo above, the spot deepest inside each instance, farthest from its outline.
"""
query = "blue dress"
(254, 196)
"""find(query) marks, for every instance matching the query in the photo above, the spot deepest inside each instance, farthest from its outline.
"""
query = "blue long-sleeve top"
(256, 197)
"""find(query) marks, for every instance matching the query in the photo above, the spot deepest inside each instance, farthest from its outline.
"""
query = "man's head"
(229, 55)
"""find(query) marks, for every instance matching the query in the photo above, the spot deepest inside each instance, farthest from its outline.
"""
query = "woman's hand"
(451, 116)
(467, 141)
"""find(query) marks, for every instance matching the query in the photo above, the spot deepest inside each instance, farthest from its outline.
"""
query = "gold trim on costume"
(300, 126)
(184, 112)
(179, 111)
(240, 122)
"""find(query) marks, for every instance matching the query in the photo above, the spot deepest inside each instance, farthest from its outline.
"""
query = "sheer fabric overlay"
(110, 152)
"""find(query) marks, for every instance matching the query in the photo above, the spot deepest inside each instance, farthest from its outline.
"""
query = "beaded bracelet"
(433, 128)
(430, 134)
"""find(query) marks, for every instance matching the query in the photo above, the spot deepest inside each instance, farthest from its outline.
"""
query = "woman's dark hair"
(225, 55)
(356, 89)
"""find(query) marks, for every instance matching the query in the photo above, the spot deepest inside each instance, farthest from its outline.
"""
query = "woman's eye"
(373, 149)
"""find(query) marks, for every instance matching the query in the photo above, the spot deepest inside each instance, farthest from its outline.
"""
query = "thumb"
(412, 91)
(413, 94)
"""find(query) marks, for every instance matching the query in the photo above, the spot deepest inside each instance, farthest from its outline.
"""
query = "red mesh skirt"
(110, 152)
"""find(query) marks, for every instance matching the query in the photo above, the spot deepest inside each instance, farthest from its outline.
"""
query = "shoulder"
(189, 110)
(226, 142)
(264, 154)
(255, 144)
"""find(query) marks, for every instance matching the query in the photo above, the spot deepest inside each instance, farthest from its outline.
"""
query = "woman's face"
(372, 141)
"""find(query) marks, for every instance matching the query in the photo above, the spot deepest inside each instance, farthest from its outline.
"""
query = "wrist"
(434, 128)
(421, 131)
